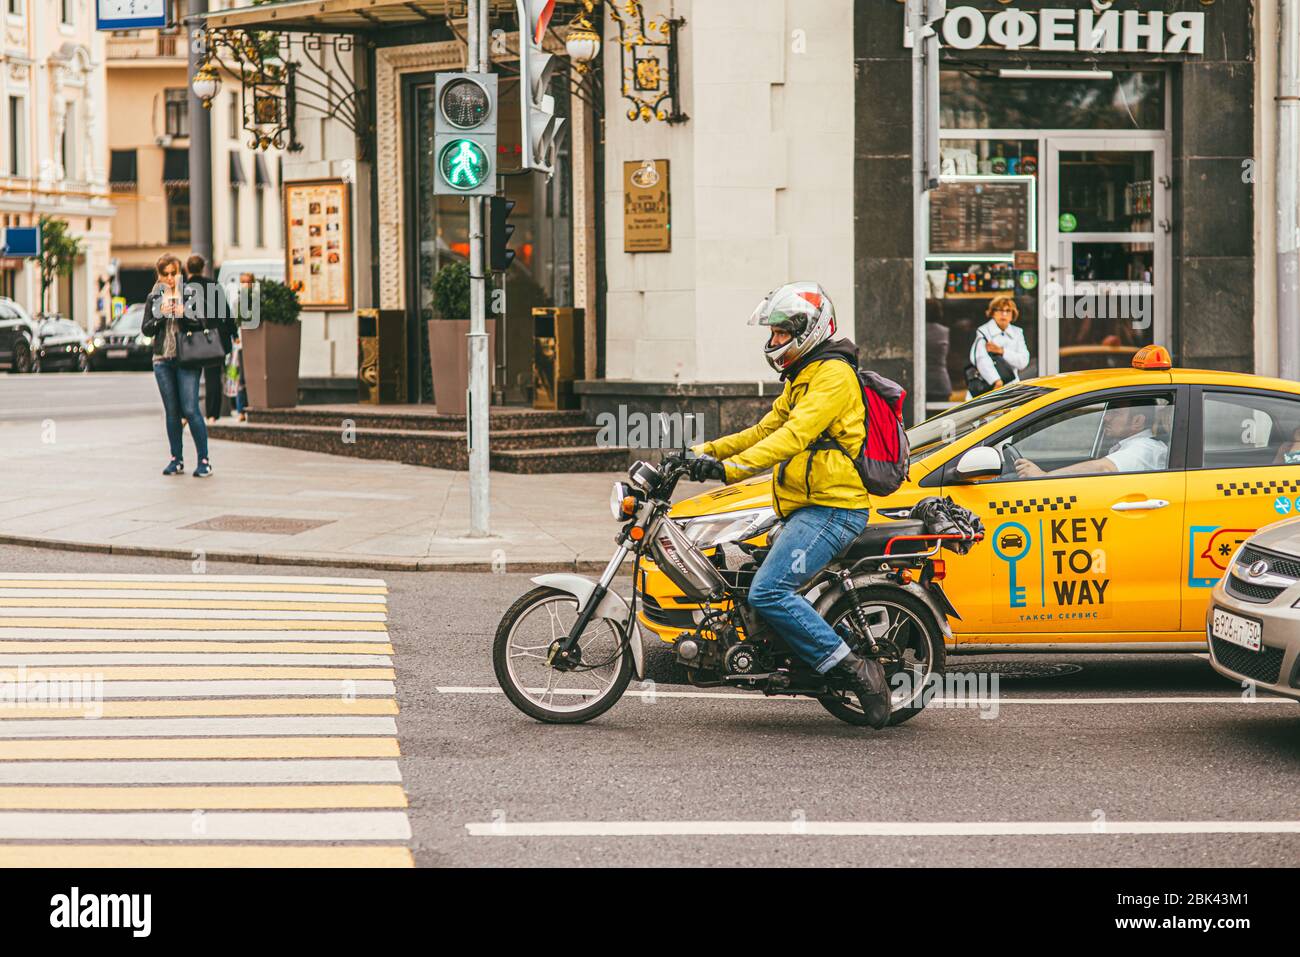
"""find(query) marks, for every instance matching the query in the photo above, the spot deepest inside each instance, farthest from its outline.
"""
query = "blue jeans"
(812, 536)
(179, 389)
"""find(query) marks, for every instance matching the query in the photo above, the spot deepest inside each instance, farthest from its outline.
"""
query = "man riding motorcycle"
(815, 487)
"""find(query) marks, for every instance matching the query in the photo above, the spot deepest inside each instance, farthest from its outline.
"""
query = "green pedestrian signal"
(464, 151)
(463, 164)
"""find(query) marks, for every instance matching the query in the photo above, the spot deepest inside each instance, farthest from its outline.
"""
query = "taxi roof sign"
(1152, 357)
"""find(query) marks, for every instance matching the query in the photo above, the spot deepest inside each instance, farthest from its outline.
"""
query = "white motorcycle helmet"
(804, 311)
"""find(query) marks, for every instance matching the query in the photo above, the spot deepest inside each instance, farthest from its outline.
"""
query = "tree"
(59, 253)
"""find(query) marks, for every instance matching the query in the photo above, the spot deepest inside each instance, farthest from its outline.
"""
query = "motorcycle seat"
(873, 539)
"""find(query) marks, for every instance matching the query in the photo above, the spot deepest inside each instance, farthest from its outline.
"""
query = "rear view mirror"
(979, 462)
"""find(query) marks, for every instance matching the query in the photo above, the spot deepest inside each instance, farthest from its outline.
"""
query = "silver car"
(1252, 623)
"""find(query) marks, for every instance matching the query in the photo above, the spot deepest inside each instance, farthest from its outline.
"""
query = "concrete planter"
(271, 354)
(449, 359)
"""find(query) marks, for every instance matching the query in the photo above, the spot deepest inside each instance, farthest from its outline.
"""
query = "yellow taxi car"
(1112, 500)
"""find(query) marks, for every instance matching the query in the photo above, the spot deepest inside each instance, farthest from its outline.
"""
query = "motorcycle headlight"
(623, 500)
(709, 530)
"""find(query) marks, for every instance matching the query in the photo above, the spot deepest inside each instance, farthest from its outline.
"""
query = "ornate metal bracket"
(278, 72)
(649, 66)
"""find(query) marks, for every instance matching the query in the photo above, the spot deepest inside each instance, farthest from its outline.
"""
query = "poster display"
(317, 247)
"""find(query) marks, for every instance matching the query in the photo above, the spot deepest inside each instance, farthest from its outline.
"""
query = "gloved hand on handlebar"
(705, 468)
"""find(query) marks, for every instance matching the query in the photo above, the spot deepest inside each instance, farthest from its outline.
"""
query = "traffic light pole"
(477, 406)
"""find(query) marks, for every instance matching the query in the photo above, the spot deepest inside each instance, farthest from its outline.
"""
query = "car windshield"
(130, 321)
(934, 434)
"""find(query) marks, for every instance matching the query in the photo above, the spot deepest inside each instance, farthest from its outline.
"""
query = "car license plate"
(117, 353)
(1234, 628)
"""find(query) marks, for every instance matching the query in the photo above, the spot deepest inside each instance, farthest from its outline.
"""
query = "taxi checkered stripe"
(1272, 487)
(1059, 503)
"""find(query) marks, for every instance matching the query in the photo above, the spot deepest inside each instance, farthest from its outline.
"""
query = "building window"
(16, 8)
(234, 214)
(71, 164)
(65, 11)
(178, 112)
(259, 196)
(236, 120)
(17, 165)
(122, 171)
(178, 214)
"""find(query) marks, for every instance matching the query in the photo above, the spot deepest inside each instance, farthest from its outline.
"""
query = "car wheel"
(22, 358)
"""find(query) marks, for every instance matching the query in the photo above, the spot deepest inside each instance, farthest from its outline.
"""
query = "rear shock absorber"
(858, 612)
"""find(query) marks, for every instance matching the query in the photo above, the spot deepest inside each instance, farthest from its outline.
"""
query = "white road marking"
(970, 704)
(293, 771)
(54, 659)
(870, 828)
(238, 688)
(196, 727)
(197, 825)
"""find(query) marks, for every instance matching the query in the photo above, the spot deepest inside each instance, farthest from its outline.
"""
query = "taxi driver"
(1127, 434)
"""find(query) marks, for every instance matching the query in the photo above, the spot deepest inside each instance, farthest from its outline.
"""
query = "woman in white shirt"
(1000, 338)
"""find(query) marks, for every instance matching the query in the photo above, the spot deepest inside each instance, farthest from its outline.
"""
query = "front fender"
(611, 607)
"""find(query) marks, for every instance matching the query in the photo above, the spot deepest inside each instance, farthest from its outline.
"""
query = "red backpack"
(882, 461)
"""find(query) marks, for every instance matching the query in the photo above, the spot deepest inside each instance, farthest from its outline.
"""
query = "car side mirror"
(979, 462)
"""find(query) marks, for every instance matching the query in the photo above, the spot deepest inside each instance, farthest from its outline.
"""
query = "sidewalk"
(96, 485)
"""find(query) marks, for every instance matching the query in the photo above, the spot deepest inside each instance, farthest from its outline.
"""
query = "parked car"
(1252, 623)
(61, 344)
(1118, 558)
(122, 345)
(17, 337)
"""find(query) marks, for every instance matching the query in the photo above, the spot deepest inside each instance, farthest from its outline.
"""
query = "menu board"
(317, 248)
(979, 217)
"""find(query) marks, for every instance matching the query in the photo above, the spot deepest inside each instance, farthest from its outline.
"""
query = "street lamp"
(206, 84)
(582, 44)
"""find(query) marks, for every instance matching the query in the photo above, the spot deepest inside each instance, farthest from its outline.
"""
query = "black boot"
(870, 685)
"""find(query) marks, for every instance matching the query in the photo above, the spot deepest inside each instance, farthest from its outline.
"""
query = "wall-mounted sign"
(22, 241)
(1057, 30)
(647, 220)
(318, 243)
(130, 14)
(1025, 259)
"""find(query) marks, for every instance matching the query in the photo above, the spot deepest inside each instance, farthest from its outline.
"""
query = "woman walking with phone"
(169, 313)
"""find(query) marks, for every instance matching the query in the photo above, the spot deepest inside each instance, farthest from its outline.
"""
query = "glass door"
(1106, 291)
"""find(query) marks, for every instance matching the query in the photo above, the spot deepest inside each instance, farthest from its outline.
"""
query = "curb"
(274, 558)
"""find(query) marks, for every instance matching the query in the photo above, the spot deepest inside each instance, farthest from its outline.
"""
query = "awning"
(122, 168)
(237, 177)
(345, 16)
(261, 175)
(176, 167)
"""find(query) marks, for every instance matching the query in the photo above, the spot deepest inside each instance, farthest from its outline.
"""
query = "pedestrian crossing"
(198, 721)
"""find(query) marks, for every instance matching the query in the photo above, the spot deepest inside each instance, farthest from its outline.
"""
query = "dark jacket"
(205, 308)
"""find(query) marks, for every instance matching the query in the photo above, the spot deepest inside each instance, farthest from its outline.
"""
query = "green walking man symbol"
(464, 164)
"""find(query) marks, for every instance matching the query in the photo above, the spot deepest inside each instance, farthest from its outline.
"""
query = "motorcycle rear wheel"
(523, 640)
(919, 639)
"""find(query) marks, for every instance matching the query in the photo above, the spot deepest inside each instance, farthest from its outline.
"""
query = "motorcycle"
(566, 651)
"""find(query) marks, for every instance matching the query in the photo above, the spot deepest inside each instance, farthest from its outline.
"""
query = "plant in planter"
(448, 345)
(272, 345)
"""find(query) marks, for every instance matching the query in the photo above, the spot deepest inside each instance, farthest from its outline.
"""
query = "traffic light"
(540, 127)
(502, 254)
(465, 134)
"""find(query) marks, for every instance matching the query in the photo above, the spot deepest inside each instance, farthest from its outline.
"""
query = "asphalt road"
(1060, 749)
(88, 395)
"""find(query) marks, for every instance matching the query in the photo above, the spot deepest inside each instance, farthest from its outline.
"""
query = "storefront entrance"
(1106, 251)
(1069, 221)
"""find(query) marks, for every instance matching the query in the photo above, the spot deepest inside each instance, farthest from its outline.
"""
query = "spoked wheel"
(572, 695)
(901, 623)
(22, 358)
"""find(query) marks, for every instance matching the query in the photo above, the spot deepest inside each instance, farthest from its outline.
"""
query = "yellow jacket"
(823, 397)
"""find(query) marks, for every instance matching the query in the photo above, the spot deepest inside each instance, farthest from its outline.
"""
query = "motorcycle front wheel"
(910, 626)
(528, 630)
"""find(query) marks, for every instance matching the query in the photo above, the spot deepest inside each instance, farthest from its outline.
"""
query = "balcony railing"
(144, 44)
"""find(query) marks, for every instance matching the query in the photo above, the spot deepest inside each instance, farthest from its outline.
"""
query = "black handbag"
(975, 383)
(199, 347)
